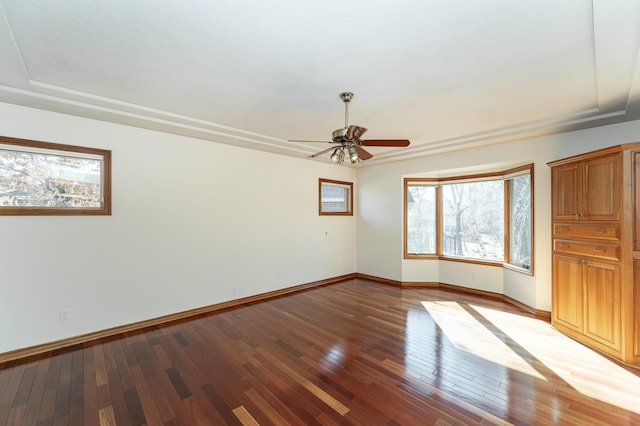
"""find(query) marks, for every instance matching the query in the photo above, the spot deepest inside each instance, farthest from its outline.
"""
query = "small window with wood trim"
(335, 197)
(41, 178)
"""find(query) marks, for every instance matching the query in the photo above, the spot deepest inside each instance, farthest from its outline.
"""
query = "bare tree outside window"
(421, 219)
(520, 221)
(473, 220)
(42, 178)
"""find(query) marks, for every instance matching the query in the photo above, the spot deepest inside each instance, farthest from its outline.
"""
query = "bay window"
(479, 219)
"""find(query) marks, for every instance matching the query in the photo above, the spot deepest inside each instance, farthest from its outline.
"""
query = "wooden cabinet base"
(593, 343)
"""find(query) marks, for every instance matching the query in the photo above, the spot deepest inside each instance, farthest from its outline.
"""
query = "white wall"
(379, 248)
(192, 221)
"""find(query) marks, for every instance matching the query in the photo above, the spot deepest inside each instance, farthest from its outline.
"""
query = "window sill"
(509, 266)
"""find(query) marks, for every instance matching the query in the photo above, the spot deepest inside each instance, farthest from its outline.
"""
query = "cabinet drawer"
(601, 251)
(579, 230)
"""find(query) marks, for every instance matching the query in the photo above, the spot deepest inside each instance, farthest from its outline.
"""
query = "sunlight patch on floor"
(467, 334)
(623, 387)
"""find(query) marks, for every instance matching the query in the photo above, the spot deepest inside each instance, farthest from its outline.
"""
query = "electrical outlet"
(65, 314)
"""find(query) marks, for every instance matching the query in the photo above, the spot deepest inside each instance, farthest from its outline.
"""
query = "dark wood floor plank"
(11, 386)
(147, 401)
(286, 394)
(76, 389)
(63, 386)
(47, 407)
(5, 375)
(173, 408)
(16, 415)
(178, 383)
(118, 407)
(24, 389)
(89, 397)
(37, 393)
(356, 352)
(157, 397)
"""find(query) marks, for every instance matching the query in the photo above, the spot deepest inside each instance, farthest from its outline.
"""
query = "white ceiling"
(446, 74)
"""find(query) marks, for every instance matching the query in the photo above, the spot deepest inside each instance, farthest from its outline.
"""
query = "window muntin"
(495, 215)
(40, 178)
(473, 220)
(335, 197)
(421, 233)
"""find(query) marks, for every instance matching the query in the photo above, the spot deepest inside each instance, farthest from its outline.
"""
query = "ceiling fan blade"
(385, 142)
(317, 154)
(354, 132)
(305, 141)
(362, 153)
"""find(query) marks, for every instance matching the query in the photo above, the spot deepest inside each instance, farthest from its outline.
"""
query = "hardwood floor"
(356, 352)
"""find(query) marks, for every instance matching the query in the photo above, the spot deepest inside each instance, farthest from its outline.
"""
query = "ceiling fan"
(349, 142)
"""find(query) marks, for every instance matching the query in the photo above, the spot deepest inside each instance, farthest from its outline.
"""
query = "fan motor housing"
(338, 135)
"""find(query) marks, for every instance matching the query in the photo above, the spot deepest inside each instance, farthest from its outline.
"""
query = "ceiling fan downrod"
(346, 98)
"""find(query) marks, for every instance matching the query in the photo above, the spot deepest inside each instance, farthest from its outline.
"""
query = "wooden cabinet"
(587, 190)
(636, 309)
(596, 242)
(586, 299)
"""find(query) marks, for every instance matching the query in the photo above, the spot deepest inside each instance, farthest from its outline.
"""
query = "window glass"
(421, 219)
(520, 221)
(336, 197)
(473, 220)
(42, 178)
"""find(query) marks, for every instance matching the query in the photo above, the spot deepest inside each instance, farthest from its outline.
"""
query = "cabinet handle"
(563, 246)
(563, 229)
(599, 231)
(598, 250)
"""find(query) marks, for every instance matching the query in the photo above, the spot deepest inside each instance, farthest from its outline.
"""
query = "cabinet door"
(602, 318)
(636, 310)
(566, 182)
(567, 292)
(602, 186)
(636, 200)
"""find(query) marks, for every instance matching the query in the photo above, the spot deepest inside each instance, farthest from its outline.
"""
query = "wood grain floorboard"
(356, 352)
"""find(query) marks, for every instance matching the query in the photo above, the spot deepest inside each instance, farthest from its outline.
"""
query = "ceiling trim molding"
(164, 118)
(14, 43)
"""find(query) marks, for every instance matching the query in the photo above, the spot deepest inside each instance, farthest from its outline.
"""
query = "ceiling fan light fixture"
(353, 155)
(335, 157)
